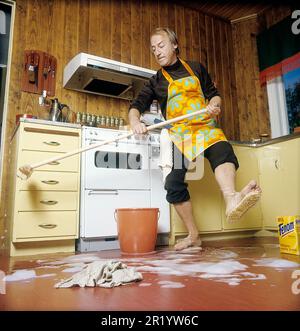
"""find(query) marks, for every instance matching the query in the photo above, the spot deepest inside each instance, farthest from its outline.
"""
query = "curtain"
(278, 50)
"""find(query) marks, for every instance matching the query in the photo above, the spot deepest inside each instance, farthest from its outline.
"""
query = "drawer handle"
(51, 143)
(48, 226)
(54, 163)
(49, 202)
(50, 182)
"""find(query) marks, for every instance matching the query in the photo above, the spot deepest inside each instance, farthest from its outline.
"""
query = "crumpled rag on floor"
(104, 274)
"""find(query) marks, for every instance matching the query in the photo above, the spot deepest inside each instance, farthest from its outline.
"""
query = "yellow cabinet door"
(248, 170)
(31, 157)
(46, 200)
(279, 166)
(41, 138)
(37, 226)
(50, 181)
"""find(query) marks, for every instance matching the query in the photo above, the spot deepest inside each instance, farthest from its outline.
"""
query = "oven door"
(119, 165)
(97, 216)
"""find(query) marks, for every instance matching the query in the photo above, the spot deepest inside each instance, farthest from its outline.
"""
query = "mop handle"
(105, 142)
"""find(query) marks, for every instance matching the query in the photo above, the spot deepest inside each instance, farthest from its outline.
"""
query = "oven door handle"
(103, 192)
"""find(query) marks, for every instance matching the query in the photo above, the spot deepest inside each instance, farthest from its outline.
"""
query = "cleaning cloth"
(166, 153)
(104, 274)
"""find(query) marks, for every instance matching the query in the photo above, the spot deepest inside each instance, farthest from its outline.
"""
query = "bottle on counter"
(112, 121)
(78, 118)
(83, 119)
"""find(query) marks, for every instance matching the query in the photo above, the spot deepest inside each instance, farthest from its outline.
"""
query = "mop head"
(24, 172)
(243, 206)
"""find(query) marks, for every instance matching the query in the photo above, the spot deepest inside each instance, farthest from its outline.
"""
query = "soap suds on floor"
(24, 274)
(45, 275)
(20, 275)
(214, 264)
(170, 284)
(276, 263)
(145, 284)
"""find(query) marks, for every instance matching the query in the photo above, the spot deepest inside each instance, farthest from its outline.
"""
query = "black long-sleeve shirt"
(157, 86)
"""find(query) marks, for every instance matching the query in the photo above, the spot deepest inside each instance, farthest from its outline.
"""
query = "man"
(182, 88)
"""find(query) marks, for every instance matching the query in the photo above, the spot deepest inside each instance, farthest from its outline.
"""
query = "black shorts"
(175, 185)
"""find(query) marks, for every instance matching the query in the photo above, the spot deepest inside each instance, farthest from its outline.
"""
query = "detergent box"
(289, 234)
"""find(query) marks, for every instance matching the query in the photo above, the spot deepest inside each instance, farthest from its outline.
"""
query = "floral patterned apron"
(185, 96)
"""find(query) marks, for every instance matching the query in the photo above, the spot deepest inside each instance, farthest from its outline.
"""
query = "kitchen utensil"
(26, 170)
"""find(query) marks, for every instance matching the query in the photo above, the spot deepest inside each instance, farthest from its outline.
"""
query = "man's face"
(163, 50)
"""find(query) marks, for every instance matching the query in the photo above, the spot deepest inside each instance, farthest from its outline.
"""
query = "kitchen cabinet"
(44, 209)
(279, 177)
(276, 167)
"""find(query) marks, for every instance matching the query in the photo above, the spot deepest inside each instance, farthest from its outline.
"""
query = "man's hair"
(171, 35)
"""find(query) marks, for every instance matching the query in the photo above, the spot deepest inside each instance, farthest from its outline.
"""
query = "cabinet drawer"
(67, 164)
(43, 140)
(50, 181)
(44, 200)
(45, 225)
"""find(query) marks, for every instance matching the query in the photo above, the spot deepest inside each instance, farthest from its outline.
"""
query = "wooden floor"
(245, 274)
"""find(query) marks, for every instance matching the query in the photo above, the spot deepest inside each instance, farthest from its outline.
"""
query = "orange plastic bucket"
(137, 229)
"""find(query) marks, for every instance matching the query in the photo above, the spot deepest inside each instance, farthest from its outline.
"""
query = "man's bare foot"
(250, 187)
(188, 242)
(240, 202)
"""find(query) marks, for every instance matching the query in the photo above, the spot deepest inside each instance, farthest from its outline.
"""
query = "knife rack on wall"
(39, 72)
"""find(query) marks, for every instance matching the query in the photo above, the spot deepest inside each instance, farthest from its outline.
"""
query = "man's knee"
(176, 187)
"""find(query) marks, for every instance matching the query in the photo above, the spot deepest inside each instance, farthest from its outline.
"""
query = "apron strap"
(170, 79)
(187, 67)
(167, 76)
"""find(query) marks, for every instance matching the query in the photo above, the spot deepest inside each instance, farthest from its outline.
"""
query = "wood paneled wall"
(252, 104)
(252, 109)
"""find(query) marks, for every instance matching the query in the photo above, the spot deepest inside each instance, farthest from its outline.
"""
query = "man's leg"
(224, 164)
(225, 176)
(185, 212)
(178, 196)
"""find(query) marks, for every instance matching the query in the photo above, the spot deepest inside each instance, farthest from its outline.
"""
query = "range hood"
(98, 75)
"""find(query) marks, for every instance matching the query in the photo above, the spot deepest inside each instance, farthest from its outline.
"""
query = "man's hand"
(214, 109)
(138, 127)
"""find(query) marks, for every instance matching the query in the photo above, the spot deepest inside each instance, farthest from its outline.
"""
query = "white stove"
(121, 174)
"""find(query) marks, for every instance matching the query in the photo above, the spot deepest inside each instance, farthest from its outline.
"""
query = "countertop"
(233, 142)
(45, 122)
(266, 142)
